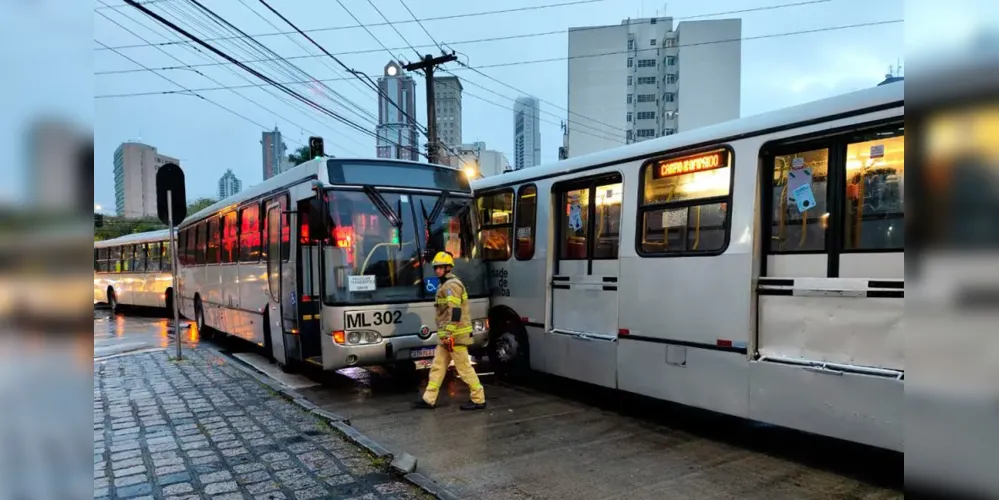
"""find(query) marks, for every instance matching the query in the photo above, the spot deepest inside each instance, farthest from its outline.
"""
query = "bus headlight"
(479, 325)
(363, 337)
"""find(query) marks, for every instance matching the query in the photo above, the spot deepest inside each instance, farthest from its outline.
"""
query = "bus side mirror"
(319, 226)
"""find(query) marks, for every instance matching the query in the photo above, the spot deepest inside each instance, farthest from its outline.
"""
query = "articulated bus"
(134, 270)
(753, 268)
(327, 263)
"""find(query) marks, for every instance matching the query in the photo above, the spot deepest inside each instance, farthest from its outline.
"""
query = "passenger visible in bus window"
(794, 230)
(574, 226)
(608, 221)
(152, 257)
(875, 216)
(128, 259)
(166, 262)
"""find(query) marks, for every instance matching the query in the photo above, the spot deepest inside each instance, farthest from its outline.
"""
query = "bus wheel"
(199, 318)
(509, 354)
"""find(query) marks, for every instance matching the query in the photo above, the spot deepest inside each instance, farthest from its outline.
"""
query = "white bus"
(327, 263)
(753, 268)
(134, 270)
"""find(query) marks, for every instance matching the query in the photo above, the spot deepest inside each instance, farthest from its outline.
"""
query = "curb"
(342, 425)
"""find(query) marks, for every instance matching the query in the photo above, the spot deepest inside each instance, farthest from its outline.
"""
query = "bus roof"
(312, 168)
(885, 96)
(135, 238)
(291, 176)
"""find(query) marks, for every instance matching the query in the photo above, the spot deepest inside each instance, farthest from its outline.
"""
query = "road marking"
(271, 370)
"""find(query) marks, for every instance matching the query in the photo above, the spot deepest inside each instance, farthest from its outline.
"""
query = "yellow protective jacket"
(453, 317)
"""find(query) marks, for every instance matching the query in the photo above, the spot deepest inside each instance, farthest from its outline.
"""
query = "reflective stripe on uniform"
(433, 385)
(454, 301)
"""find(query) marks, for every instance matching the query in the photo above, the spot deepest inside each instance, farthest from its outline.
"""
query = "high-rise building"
(274, 153)
(526, 133)
(642, 79)
(397, 131)
(229, 185)
(135, 167)
(447, 105)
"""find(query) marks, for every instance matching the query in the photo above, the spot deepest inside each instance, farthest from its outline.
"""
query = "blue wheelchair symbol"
(431, 284)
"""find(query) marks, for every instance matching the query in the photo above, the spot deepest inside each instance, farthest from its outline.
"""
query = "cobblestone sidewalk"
(200, 428)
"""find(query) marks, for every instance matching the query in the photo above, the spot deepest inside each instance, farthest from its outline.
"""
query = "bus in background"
(327, 263)
(134, 270)
(753, 268)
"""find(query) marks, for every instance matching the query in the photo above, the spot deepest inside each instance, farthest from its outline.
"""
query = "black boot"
(423, 405)
(469, 406)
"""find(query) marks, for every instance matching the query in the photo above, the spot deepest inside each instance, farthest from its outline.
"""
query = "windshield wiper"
(394, 216)
(430, 219)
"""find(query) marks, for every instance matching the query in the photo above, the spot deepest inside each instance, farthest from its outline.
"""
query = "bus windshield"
(378, 253)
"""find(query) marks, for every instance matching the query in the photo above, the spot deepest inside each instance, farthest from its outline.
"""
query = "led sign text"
(690, 164)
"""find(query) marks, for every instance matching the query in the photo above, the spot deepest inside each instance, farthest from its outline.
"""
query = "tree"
(200, 204)
(301, 155)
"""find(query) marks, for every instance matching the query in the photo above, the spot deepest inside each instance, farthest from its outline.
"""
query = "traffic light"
(98, 220)
(316, 147)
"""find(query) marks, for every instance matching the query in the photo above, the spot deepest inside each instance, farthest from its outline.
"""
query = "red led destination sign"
(690, 164)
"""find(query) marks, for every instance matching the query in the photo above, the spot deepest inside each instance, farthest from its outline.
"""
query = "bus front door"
(277, 305)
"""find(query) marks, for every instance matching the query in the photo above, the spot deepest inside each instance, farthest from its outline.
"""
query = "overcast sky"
(777, 72)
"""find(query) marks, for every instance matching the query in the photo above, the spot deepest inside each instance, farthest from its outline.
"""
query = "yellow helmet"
(442, 259)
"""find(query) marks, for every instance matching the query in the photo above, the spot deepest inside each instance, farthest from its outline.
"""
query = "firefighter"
(454, 329)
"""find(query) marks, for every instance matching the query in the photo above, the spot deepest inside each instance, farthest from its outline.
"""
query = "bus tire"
(508, 349)
(169, 302)
(199, 318)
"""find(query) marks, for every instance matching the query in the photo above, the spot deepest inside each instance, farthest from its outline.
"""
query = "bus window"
(874, 217)
(128, 259)
(574, 224)
(118, 258)
(794, 230)
(166, 263)
(607, 223)
(230, 238)
(249, 233)
(495, 225)
(684, 204)
(153, 257)
(200, 246)
(526, 224)
(191, 246)
(214, 240)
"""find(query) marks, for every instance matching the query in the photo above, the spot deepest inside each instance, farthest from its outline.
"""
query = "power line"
(351, 71)
(418, 55)
(188, 92)
(250, 70)
(424, 28)
(467, 42)
(359, 25)
(210, 89)
(595, 130)
(198, 72)
(710, 42)
(256, 45)
(325, 63)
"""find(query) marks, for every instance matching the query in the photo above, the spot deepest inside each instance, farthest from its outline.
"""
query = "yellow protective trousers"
(463, 363)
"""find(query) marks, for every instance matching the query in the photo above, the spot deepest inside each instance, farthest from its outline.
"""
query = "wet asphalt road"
(559, 439)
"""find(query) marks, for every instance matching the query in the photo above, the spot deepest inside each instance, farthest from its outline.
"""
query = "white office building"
(135, 167)
(526, 133)
(644, 79)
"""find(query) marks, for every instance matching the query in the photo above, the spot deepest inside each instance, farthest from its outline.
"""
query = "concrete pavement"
(200, 428)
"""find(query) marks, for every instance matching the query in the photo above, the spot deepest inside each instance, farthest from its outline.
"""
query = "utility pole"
(427, 64)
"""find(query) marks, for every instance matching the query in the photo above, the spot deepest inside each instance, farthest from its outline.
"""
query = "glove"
(448, 343)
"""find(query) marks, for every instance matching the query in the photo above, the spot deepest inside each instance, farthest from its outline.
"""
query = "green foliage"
(301, 155)
(200, 204)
